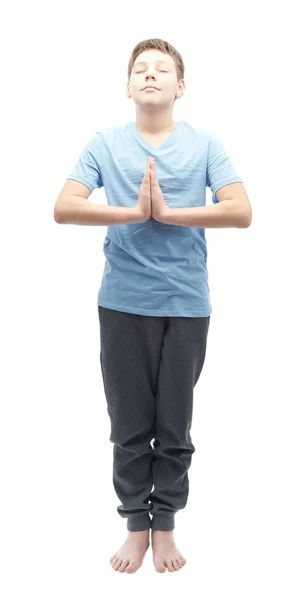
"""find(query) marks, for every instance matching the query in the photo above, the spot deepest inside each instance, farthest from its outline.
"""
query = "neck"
(154, 124)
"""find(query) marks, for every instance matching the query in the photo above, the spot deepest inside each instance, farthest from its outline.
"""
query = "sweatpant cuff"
(139, 522)
(163, 522)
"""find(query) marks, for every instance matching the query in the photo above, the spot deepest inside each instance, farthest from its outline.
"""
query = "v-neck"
(169, 140)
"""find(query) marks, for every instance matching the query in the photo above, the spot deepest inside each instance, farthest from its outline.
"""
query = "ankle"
(139, 534)
(161, 532)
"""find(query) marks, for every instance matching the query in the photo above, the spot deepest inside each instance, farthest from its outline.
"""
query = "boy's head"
(155, 62)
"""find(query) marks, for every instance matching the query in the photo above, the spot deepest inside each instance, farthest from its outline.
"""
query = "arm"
(73, 207)
(75, 210)
(231, 206)
(223, 214)
(232, 210)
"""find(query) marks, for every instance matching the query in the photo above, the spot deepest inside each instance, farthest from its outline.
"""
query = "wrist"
(139, 215)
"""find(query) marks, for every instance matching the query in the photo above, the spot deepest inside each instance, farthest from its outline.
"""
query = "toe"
(117, 564)
(132, 567)
(179, 562)
(123, 565)
(175, 564)
(170, 566)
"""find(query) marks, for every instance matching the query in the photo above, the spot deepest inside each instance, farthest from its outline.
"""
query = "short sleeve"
(87, 168)
(220, 171)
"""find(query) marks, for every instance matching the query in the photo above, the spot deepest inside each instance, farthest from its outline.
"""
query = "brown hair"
(163, 46)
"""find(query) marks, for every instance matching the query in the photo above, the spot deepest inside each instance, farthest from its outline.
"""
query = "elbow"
(58, 214)
(246, 220)
(57, 218)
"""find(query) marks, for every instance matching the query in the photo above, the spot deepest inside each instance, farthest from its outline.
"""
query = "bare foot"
(130, 555)
(165, 552)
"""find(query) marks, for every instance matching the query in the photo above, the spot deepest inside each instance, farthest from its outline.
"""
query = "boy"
(153, 303)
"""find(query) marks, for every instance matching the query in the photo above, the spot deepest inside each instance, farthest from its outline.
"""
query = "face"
(154, 68)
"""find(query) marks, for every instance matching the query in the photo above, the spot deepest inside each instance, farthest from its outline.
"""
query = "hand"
(159, 206)
(143, 206)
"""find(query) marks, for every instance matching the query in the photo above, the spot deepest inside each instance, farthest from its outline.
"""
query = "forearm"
(79, 211)
(224, 214)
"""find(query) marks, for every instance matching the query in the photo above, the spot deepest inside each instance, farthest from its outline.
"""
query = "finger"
(149, 165)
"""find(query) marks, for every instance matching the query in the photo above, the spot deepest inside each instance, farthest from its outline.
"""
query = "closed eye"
(159, 70)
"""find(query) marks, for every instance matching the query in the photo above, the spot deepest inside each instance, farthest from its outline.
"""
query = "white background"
(64, 74)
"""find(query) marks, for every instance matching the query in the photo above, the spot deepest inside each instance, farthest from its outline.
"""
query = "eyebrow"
(142, 62)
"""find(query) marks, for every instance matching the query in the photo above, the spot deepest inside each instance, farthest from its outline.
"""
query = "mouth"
(150, 87)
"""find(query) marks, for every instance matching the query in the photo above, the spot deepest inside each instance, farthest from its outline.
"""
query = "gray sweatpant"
(150, 366)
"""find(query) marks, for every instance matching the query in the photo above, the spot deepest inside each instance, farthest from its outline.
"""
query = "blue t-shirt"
(154, 268)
